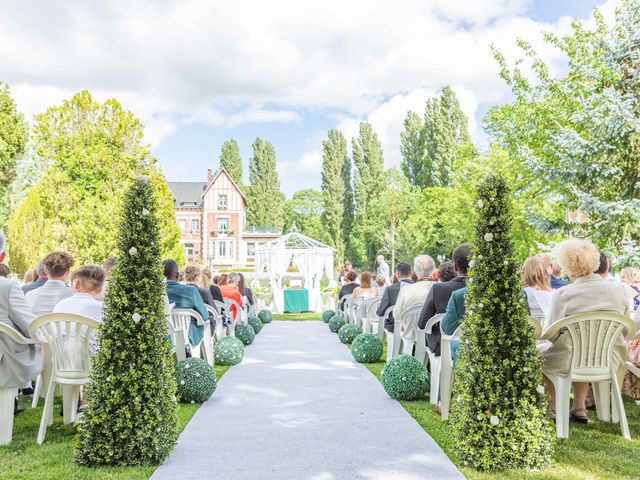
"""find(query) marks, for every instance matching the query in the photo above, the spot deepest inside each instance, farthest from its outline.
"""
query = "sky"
(199, 72)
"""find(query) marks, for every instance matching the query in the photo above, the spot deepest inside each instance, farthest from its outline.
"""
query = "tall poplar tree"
(413, 149)
(266, 202)
(334, 158)
(231, 161)
(348, 206)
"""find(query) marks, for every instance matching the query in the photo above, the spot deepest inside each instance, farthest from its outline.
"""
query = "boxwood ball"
(405, 378)
(366, 348)
(245, 333)
(196, 380)
(348, 333)
(336, 323)
(228, 351)
(327, 315)
(256, 324)
(265, 316)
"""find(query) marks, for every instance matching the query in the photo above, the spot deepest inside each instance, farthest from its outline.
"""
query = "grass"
(593, 451)
(24, 459)
(297, 316)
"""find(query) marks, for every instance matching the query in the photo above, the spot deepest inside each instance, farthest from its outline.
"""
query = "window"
(223, 224)
(195, 224)
(223, 249)
(188, 250)
(251, 249)
(222, 202)
(183, 225)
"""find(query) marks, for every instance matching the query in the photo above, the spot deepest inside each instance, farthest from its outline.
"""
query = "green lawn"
(24, 459)
(593, 451)
(297, 316)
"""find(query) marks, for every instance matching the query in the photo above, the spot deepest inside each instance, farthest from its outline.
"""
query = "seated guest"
(447, 271)
(30, 276)
(380, 285)
(631, 276)
(553, 270)
(344, 272)
(41, 279)
(42, 300)
(364, 289)
(107, 266)
(390, 296)
(244, 290)
(439, 295)
(86, 283)
(589, 292)
(349, 286)
(192, 277)
(537, 287)
(230, 291)
(207, 282)
(222, 280)
(5, 271)
(414, 295)
(185, 296)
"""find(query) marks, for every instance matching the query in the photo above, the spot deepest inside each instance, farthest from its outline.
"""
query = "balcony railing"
(255, 229)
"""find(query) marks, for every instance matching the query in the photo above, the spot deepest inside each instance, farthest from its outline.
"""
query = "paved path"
(299, 407)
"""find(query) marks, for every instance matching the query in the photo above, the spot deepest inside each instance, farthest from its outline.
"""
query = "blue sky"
(199, 72)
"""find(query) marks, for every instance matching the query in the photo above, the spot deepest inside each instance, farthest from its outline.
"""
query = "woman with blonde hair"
(537, 287)
(206, 282)
(365, 289)
(631, 277)
(192, 276)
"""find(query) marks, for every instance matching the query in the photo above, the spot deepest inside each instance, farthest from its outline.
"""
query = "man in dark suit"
(390, 295)
(440, 293)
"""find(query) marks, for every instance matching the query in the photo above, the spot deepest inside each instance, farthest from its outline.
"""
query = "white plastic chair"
(68, 337)
(181, 320)
(382, 332)
(594, 336)
(424, 353)
(241, 314)
(8, 394)
(411, 315)
(363, 311)
(342, 304)
(220, 329)
(222, 307)
(371, 315)
(446, 370)
(352, 310)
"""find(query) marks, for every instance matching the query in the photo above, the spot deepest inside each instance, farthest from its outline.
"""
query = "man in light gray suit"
(383, 269)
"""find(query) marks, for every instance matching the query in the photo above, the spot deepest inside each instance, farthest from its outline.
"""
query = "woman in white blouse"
(537, 286)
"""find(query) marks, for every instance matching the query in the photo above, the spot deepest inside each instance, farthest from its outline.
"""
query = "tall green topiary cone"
(498, 414)
(131, 415)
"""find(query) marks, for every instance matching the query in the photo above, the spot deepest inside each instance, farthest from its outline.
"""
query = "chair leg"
(446, 385)
(617, 399)
(47, 413)
(208, 344)
(407, 347)
(7, 401)
(36, 391)
(389, 336)
(562, 387)
(69, 398)
(434, 365)
(602, 396)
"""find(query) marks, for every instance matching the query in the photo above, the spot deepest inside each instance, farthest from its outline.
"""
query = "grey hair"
(424, 265)
(233, 278)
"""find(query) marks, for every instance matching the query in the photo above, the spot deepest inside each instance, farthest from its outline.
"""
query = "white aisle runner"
(299, 407)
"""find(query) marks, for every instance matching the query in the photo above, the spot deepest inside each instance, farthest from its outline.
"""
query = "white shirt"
(82, 304)
(539, 304)
(44, 299)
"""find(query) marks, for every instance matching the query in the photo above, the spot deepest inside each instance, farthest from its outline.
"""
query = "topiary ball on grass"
(265, 316)
(348, 333)
(328, 315)
(405, 378)
(228, 351)
(245, 333)
(366, 348)
(336, 323)
(196, 380)
(256, 324)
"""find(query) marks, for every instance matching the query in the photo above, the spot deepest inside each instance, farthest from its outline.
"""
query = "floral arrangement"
(245, 333)
(335, 323)
(405, 378)
(327, 315)
(265, 316)
(196, 380)
(366, 348)
(348, 333)
(228, 351)
(255, 324)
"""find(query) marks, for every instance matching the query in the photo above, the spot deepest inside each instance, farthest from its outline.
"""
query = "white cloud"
(262, 116)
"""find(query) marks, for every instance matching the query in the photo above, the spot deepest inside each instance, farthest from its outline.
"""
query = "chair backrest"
(68, 337)
(181, 320)
(411, 315)
(344, 301)
(240, 312)
(371, 313)
(537, 326)
(213, 313)
(437, 318)
(221, 306)
(594, 335)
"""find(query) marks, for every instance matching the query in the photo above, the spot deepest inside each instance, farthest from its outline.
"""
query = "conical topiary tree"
(131, 415)
(499, 416)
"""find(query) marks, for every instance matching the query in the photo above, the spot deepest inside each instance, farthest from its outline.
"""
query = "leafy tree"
(576, 136)
(13, 138)
(348, 211)
(499, 417)
(131, 415)
(266, 202)
(305, 209)
(95, 151)
(231, 161)
(334, 195)
(413, 148)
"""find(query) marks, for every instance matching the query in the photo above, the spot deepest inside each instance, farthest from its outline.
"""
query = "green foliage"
(498, 414)
(231, 161)
(336, 323)
(256, 324)
(405, 378)
(265, 316)
(334, 198)
(96, 152)
(245, 333)
(131, 412)
(13, 139)
(347, 333)
(228, 351)
(305, 210)
(367, 348)
(196, 380)
(265, 201)
(328, 315)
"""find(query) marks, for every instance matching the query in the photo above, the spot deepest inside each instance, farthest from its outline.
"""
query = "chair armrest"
(16, 336)
(437, 318)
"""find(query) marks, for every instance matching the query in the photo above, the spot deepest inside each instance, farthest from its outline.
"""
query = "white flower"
(481, 305)
(197, 374)
(187, 366)
(480, 257)
(136, 317)
(540, 389)
(513, 447)
(480, 203)
(491, 222)
(494, 420)
(506, 262)
(489, 176)
(158, 429)
(192, 401)
(145, 212)
(133, 251)
(182, 382)
(404, 379)
(137, 399)
(479, 417)
(472, 263)
(525, 369)
(488, 237)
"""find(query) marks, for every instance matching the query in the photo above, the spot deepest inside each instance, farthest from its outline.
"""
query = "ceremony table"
(296, 300)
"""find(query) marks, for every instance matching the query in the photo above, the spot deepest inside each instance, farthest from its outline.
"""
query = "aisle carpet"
(300, 408)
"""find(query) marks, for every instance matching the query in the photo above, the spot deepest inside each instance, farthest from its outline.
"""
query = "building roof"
(187, 194)
(215, 178)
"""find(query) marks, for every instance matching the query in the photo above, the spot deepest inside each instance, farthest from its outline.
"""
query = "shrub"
(327, 315)
(228, 351)
(336, 323)
(405, 378)
(366, 348)
(130, 417)
(196, 380)
(245, 333)
(265, 316)
(348, 333)
(256, 324)
(498, 414)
